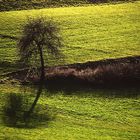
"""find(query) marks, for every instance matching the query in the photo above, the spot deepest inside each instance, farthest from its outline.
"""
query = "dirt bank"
(110, 72)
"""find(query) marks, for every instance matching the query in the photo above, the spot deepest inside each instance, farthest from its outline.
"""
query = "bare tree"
(39, 37)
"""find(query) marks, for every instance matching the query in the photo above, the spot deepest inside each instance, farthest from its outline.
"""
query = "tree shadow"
(17, 112)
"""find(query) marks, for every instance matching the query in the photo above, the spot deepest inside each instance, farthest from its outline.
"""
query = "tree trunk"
(42, 76)
(27, 115)
(42, 79)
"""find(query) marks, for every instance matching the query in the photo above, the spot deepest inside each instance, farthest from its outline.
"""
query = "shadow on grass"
(15, 108)
(8, 37)
(84, 89)
(6, 67)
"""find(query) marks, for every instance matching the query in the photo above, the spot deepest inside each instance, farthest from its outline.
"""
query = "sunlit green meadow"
(84, 114)
(89, 33)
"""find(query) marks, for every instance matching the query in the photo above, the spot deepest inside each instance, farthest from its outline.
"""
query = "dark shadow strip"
(8, 37)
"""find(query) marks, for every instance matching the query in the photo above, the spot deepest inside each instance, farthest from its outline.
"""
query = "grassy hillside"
(83, 114)
(6, 5)
(90, 33)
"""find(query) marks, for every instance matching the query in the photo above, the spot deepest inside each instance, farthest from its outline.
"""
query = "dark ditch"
(104, 73)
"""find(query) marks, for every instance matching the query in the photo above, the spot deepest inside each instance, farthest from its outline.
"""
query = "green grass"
(90, 33)
(85, 114)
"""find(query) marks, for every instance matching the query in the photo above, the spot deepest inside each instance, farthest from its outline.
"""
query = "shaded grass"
(7, 5)
(14, 108)
(31, 4)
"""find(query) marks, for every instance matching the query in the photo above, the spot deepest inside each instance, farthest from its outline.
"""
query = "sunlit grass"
(87, 114)
(90, 33)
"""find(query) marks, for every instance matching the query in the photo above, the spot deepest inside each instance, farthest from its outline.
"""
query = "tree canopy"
(40, 37)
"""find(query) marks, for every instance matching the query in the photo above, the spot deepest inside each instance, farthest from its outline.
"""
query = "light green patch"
(90, 33)
(90, 114)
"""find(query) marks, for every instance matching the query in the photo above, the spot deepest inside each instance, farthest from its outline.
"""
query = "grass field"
(90, 33)
(82, 115)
